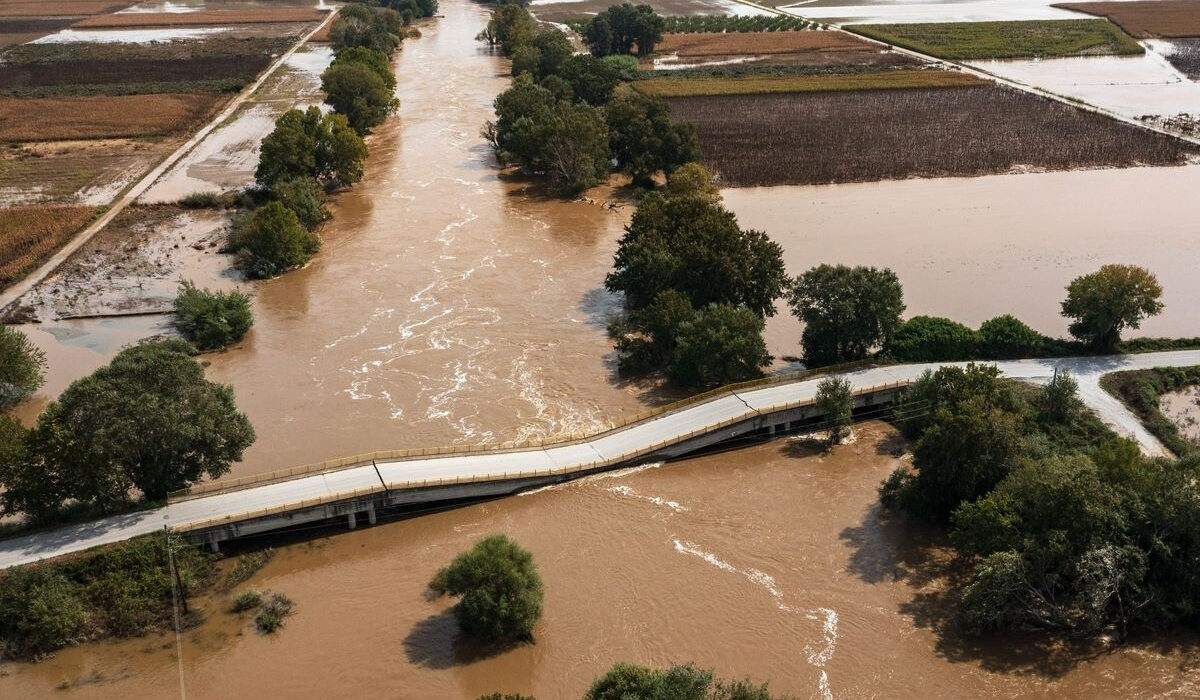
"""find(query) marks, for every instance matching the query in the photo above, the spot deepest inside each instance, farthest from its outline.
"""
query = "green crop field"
(823, 82)
(1029, 39)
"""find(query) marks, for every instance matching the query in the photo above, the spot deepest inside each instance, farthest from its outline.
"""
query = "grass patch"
(1140, 390)
(271, 616)
(865, 135)
(30, 235)
(1163, 18)
(68, 118)
(246, 601)
(800, 82)
(1027, 39)
(245, 567)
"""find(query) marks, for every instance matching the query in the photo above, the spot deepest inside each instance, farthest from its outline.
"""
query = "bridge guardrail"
(504, 476)
(332, 465)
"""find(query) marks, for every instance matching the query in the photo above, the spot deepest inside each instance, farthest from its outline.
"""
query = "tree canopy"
(311, 144)
(720, 344)
(846, 311)
(148, 421)
(643, 138)
(370, 27)
(500, 589)
(22, 367)
(211, 319)
(621, 28)
(359, 84)
(271, 241)
(1110, 300)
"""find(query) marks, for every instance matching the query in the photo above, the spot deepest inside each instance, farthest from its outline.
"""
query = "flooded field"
(772, 562)
(887, 11)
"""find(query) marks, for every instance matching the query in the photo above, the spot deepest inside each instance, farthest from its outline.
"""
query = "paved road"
(12, 294)
(602, 448)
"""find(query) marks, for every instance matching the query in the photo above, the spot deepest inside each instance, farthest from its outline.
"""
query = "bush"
(932, 339)
(271, 616)
(835, 401)
(40, 611)
(311, 144)
(272, 242)
(246, 566)
(246, 600)
(501, 591)
(22, 367)
(1007, 338)
(212, 319)
(201, 200)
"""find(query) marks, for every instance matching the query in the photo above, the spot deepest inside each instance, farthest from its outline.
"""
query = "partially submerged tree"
(1110, 300)
(22, 367)
(311, 144)
(499, 587)
(623, 28)
(370, 27)
(835, 402)
(643, 138)
(271, 241)
(359, 85)
(722, 344)
(846, 311)
(212, 319)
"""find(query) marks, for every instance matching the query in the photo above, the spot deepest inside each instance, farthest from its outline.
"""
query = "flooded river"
(453, 304)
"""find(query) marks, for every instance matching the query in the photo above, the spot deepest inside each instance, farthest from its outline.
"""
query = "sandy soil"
(1183, 408)
(85, 172)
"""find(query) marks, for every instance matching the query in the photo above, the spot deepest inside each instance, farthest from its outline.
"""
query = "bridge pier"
(214, 546)
(352, 520)
(371, 513)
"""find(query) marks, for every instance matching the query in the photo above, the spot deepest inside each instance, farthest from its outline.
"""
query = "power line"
(175, 610)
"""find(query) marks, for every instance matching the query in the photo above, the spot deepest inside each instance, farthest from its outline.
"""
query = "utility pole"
(175, 571)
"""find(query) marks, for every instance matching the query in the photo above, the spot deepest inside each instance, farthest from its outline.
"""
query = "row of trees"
(147, 423)
(311, 153)
(697, 286)
(567, 117)
(1068, 527)
(623, 29)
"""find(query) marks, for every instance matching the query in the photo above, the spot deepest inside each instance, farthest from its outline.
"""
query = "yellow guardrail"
(331, 465)
(505, 476)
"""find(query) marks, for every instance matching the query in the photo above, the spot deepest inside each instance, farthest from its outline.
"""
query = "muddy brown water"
(771, 561)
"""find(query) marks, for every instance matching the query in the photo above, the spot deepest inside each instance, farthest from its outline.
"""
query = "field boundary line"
(9, 297)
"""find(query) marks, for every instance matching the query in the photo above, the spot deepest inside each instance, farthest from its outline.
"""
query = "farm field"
(1184, 54)
(668, 87)
(29, 235)
(103, 117)
(857, 136)
(75, 172)
(1033, 39)
(565, 11)
(803, 50)
(60, 8)
(201, 18)
(1161, 18)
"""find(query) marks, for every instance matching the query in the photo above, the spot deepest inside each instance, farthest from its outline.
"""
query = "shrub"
(40, 611)
(501, 591)
(835, 401)
(246, 566)
(272, 242)
(306, 199)
(201, 200)
(246, 600)
(22, 367)
(932, 339)
(271, 616)
(212, 319)
(1006, 337)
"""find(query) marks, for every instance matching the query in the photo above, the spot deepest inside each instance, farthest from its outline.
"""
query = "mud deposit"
(772, 562)
(1183, 408)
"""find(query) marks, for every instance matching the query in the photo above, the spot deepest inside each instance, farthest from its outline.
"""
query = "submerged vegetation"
(22, 367)
(680, 682)
(1020, 39)
(209, 319)
(499, 588)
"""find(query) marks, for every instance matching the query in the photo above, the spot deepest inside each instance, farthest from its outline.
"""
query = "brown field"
(89, 72)
(761, 43)
(66, 118)
(75, 172)
(1161, 18)
(203, 17)
(671, 86)
(29, 235)
(60, 8)
(860, 136)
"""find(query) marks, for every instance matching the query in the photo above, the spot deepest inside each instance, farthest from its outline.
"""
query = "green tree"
(40, 611)
(646, 340)
(22, 367)
(591, 79)
(694, 245)
(501, 591)
(643, 138)
(510, 26)
(835, 402)
(931, 339)
(722, 345)
(1059, 399)
(621, 28)
(554, 48)
(1007, 338)
(149, 420)
(357, 91)
(370, 27)
(846, 311)
(311, 144)
(305, 198)
(378, 61)
(525, 59)
(212, 319)
(273, 241)
(692, 180)
(632, 682)
(1106, 302)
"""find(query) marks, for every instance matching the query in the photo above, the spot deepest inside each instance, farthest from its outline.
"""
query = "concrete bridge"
(357, 488)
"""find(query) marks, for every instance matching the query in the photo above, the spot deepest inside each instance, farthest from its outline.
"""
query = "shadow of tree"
(437, 643)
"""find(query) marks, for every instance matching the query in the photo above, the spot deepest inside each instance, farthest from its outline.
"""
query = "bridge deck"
(605, 449)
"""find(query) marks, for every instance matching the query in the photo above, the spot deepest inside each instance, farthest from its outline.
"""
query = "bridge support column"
(214, 546)
(771, 430)
(352, 520)
(371, 513)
